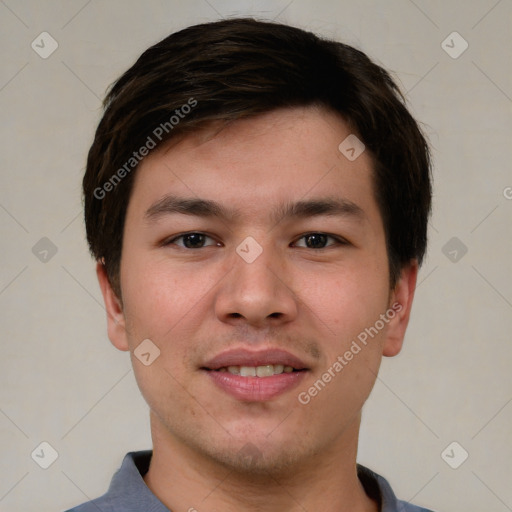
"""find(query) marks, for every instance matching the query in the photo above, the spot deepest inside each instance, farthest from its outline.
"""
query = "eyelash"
(338, 240)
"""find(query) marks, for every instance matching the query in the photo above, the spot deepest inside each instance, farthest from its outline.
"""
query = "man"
(257, 201)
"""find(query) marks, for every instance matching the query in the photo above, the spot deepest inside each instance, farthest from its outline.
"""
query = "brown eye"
(318, 241)
(192, 241)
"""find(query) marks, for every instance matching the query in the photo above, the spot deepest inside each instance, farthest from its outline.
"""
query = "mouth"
(262, 371)
(255, 376)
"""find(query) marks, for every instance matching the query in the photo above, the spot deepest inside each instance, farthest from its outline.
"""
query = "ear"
(400, 302)
(116, 323)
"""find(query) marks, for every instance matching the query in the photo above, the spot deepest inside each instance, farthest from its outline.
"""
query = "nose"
(256, 293)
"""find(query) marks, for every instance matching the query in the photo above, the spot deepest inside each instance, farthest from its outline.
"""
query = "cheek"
(345, 301)
(158, 306)
(168, 306)
(157, 298)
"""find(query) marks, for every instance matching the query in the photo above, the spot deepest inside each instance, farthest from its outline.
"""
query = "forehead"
(274, 158)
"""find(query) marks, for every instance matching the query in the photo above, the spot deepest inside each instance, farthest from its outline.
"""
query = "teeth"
(265, 371)
(257, 371)
(248, 371)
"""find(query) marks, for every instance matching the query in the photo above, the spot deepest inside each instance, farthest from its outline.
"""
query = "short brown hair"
(237, 68)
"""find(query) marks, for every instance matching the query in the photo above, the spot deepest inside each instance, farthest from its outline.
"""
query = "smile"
(255, 376)
(258, 371)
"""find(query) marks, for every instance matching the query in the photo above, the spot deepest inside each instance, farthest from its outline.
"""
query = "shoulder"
(96, 505)
(403, 506)
(378, 488)
(127, 491)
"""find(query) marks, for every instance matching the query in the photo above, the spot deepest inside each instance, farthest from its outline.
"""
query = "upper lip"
(244, 357)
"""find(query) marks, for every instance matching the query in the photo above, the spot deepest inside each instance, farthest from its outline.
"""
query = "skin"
(313, 302)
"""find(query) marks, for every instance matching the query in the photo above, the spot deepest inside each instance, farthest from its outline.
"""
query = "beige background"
(62, 381)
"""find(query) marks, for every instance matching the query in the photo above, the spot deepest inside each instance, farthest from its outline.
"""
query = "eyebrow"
(331, 206)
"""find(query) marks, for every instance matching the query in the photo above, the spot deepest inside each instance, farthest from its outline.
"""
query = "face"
(254, 259)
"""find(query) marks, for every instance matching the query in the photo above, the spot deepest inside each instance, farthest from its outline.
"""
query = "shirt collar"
(129, 490)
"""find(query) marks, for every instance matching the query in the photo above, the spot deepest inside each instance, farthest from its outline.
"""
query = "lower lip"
(256, 389)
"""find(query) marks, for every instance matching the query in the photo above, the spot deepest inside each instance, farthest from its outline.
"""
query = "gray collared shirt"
(129, 493)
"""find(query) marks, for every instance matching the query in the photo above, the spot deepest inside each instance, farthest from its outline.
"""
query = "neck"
(185, 480)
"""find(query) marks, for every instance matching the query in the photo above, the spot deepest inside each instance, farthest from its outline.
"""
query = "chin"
(253, 461)
(255, 455)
